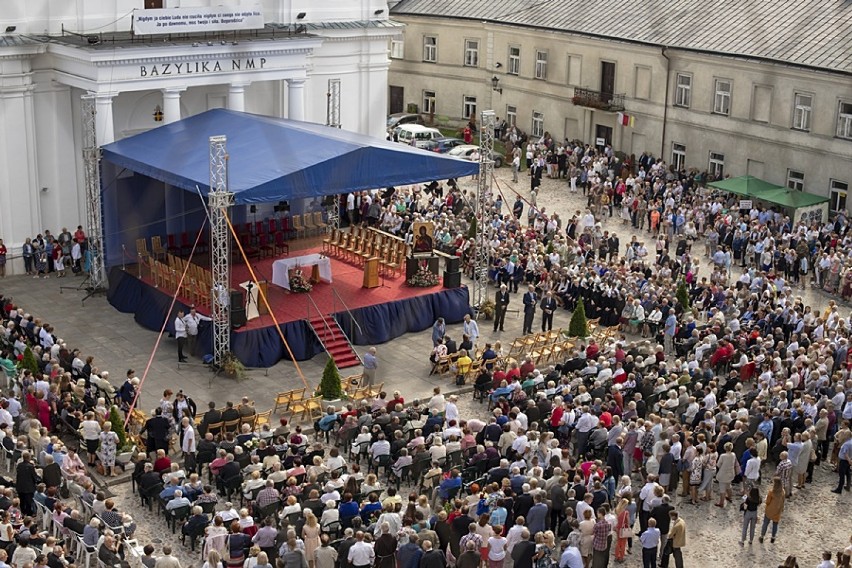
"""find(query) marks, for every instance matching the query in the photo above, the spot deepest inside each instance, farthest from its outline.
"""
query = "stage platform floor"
(347, 282)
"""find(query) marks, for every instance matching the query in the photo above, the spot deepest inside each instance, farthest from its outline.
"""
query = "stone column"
(296, 99)
(237, 96)
(104, 123)
(171, 105)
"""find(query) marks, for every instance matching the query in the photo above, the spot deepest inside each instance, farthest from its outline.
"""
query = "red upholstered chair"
(273, 226)
(185, 244)
(281, 247)
(259, 229)
(265, 245)
(172, 247)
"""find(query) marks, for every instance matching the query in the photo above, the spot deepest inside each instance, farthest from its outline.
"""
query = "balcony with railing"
(597, 99)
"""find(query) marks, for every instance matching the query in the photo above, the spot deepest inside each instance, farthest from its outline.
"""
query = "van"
(410, 132)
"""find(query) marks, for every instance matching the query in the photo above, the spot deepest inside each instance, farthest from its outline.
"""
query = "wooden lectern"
(261, 305)
(371, 272)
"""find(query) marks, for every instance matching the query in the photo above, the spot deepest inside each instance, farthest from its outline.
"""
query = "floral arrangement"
(424, 277)
(298, 282)
(251, 443)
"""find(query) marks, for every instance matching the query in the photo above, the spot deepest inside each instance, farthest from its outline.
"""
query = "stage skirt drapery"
(263, 347)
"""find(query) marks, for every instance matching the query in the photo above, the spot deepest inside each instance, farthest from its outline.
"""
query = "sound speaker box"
(237, 300)
(452, 279)
(452, 264)
(238, 316)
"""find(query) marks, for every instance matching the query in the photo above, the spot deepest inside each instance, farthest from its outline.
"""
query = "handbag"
(625, 532)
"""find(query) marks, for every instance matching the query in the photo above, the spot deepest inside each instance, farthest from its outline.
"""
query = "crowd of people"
(732, 394)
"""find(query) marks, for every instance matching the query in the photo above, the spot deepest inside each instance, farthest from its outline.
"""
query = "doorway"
(603, 133)
(396, 98)
(607, 80)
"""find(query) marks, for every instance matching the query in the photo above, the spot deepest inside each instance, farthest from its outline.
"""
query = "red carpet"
(347, 281)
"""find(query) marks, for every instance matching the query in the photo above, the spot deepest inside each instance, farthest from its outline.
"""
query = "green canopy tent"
(803, 206)
(747, 186)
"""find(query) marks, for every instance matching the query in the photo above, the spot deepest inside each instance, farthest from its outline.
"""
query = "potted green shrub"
(29, 362)
(578, 327)
(682, 294)
(233, 367)
(330, 387)
(126, 448)
(487, 309)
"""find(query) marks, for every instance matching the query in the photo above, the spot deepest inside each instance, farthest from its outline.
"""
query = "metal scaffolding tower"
(483, 207)
(97, 281)
(220, 201)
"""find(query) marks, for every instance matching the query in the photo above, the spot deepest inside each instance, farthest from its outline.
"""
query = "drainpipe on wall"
(665, 103)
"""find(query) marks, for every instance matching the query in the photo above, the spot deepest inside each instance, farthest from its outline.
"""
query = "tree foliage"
(330, 387)
(578, 327)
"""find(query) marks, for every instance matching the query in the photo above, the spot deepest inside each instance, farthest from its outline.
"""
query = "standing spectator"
(676, 541)
(180, 335)
(530, 301)
(371, 365)
(497, 546)
(749, 508)
(844, 467)
(774, 507)
(601, 541)
(650, 540)
(26, 481)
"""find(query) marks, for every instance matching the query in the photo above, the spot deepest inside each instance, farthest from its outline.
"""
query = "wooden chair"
(297, 226)
(262, 418)
(232, 425)
(142, 249)
(318, 222)
(329, 241)
(308, 222)
(157, 248)
(282, 400)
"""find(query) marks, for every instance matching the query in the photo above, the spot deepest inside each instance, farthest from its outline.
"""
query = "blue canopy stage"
(156, 183)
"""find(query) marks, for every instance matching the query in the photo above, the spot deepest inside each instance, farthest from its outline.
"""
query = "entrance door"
(607, 80)
(603, 132)
(397, 96)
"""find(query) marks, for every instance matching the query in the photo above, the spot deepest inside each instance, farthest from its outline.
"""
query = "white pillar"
(237, 96)
(104, 123)
(171, 105)
(296, 99)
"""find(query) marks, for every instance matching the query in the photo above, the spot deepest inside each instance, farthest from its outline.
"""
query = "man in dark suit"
(613, 245)
(548, 307)
(229, 471)
(51, 475)
(157, 428)
(230, 412)
(530, 302)
(26, 480)
(615, 458)
(451, 345)
(212, 416)
(73, 522)
(523, 551)
(501, 302)
(432, 558)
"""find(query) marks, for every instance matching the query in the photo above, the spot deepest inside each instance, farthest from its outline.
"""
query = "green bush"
(682, 294)
(471, 231)
(578, 327)
(118, 427)
(29, 362)
(330, 387)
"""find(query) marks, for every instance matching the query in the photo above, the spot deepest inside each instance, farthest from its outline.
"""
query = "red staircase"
(334, 341)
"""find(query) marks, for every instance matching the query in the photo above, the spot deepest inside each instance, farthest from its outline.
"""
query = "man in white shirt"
(180, 334)
(361, 554)
(191, 321)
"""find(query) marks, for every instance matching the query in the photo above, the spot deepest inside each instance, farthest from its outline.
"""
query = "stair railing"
(352, 319)
(322, 317)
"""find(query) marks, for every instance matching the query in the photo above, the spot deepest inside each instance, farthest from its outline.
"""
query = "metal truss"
(482, 207)
(220, 200)
(92, 181)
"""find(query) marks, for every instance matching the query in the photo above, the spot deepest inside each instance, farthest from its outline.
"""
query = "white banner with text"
(196, 20)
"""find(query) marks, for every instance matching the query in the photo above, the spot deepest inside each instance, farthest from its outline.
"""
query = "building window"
(541, 65)
(796, 180)
(722, 100)
(837, 195)
(844, 120)
(717, 165)
(153, 4)
(469, 107)
(538, 123)
(430, 49)
(802, 108)
(514, 61)
(397, 49)
(678, 156)
(511, 115)
(429, 102)
(683, 90)
(471, 53)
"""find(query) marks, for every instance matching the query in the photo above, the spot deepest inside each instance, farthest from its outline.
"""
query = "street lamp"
(494, 82)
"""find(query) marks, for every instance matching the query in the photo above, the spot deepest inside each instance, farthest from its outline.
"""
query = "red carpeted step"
(346, 363)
